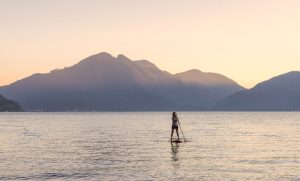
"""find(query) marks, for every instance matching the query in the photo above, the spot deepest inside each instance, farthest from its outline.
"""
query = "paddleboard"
(177, 141)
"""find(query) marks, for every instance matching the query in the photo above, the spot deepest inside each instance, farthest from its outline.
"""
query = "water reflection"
(127, 146)
(175, 150)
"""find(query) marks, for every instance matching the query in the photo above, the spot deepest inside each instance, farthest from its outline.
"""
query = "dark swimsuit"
(174, 127)
(175, 123)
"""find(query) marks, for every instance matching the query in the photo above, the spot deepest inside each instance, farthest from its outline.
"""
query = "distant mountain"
(281, 93)
(8, 105)
(222, 84)
(105, 83)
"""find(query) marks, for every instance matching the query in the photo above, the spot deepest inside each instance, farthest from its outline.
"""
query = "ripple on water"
(135, 146)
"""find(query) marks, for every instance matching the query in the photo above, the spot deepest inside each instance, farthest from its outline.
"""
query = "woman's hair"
(174, 114)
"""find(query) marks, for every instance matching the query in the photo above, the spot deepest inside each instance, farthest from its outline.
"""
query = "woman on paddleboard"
(175, 122)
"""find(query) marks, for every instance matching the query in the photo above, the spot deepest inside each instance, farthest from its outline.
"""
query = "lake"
(135, 146)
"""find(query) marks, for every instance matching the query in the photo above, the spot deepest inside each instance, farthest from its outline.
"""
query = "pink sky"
(246, 40)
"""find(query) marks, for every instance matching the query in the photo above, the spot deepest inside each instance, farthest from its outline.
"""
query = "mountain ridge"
(279, 93)
(103, 82)
(9, 105)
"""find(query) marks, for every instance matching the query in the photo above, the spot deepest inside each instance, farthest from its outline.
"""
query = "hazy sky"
(246, 40)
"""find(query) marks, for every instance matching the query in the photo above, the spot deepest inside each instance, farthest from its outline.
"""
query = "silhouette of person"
(175, 122)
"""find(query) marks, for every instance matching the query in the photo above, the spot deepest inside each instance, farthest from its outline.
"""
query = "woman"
(175, 122)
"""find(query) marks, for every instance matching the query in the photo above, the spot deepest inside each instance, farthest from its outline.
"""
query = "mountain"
(8, 105)
(105, 83)
(220, 83)
(281, 93)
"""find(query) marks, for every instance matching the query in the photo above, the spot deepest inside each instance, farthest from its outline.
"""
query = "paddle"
(182, 132)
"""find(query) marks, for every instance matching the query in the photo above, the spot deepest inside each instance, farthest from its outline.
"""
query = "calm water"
(134, 146)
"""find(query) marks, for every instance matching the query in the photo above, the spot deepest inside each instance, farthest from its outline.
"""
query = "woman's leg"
(172, 133)
(177, 133)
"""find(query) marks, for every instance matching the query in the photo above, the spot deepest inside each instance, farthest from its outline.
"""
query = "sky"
(249, 41)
